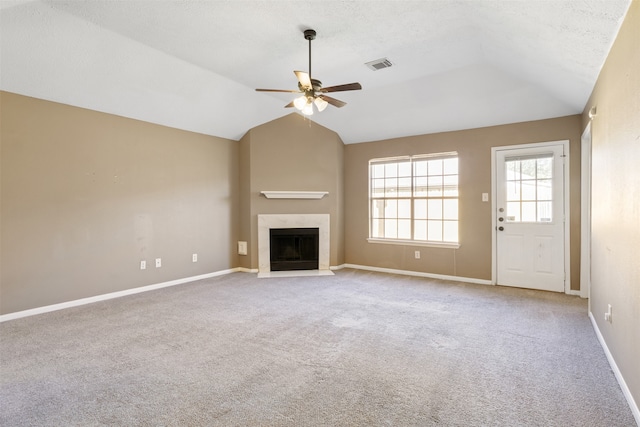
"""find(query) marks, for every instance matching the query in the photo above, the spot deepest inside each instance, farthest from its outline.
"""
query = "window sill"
(415, 243)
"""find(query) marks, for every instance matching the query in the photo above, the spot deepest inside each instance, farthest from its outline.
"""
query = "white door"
(530, 217)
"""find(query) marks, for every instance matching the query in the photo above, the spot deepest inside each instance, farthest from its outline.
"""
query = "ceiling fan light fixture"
(321, 104)
(308, 109)
(300, 102)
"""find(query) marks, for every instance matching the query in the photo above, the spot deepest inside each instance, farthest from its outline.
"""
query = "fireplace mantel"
(294, 194)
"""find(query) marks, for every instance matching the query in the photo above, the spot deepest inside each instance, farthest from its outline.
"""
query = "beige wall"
(86, 196)
(473, 258)
(291, 154)
(615, 231)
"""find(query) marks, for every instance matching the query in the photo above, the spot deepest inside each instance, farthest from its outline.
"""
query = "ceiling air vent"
(379, 64)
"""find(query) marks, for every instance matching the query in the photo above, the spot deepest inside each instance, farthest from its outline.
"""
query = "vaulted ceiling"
(194, 65)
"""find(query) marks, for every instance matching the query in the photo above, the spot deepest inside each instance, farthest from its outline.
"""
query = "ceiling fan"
(312, 90)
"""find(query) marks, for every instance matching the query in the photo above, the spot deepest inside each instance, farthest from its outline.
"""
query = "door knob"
(501, 228)
(500, 219)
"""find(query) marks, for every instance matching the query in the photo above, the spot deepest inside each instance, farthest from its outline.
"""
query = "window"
(529, 188)
(414, 199)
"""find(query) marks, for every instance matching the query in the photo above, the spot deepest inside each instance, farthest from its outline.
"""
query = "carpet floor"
(354, 349)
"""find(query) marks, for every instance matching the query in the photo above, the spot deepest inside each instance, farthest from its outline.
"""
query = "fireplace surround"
(267, 222)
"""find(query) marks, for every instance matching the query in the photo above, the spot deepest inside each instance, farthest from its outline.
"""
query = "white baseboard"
(574, 292)
(623, 385)
(419, 274)
(104, 297)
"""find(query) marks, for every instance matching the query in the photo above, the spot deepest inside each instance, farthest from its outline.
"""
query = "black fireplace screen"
(294, 248)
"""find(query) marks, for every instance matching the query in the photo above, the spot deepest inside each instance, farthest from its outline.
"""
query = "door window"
(529, 188)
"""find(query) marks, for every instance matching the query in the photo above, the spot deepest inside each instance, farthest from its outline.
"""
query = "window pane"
(377, 209)
(435, 167)
(420, 209)
(528, 168)
(513, 211)
(404, 169)
(391, 170)
(391, 228)
(420, 189)
(528, 190)
(391, 209)
(434, 231)
(435, 186)
(377, 228)
(420, 168)
(404, 229)
(513, 170)
(545, 168)
(420, 230)
(450, 233)
(513, 190)
(391, 185)
(434, 209)
(377, 171)
(450, 209)
(404, 208)
(451, 166)
(451, 185)
(544, 189)
(544, 212)
(528, 211)
(404, 187)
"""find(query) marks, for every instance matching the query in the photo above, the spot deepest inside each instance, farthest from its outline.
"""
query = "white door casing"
(529, 216)
(585, 214)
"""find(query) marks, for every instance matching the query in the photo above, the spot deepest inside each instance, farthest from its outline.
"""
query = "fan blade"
(304, 79)
(289, 105)
(278, 90)
(342, 88)
(333, 101)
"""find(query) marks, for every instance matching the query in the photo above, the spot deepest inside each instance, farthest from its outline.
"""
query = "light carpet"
(354, 349)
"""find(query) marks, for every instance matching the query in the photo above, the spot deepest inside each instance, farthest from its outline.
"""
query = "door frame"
(567, 205)
(585, 214)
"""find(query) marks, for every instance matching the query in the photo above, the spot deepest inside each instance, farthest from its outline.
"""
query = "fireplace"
(294, 248)
(268, 222)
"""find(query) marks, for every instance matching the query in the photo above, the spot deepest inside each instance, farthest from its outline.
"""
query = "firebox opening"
(294, 248)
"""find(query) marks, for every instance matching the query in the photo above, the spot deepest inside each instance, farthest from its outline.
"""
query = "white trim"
(567, 206)
(294, 194)
(585, 212)
(419, 274)
(444, 245)
(246, 270)
(337, 267)
(111, 295)
(614, 367)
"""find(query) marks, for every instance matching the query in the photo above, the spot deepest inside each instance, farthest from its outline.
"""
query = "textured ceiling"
(194, 65)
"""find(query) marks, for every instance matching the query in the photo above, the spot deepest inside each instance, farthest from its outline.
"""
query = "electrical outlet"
(485, 197)
(417, 254)
(194, 258)
(143, 265)
(158, 262)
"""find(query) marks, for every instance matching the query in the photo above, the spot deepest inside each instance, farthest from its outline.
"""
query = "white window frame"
(412, 242)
